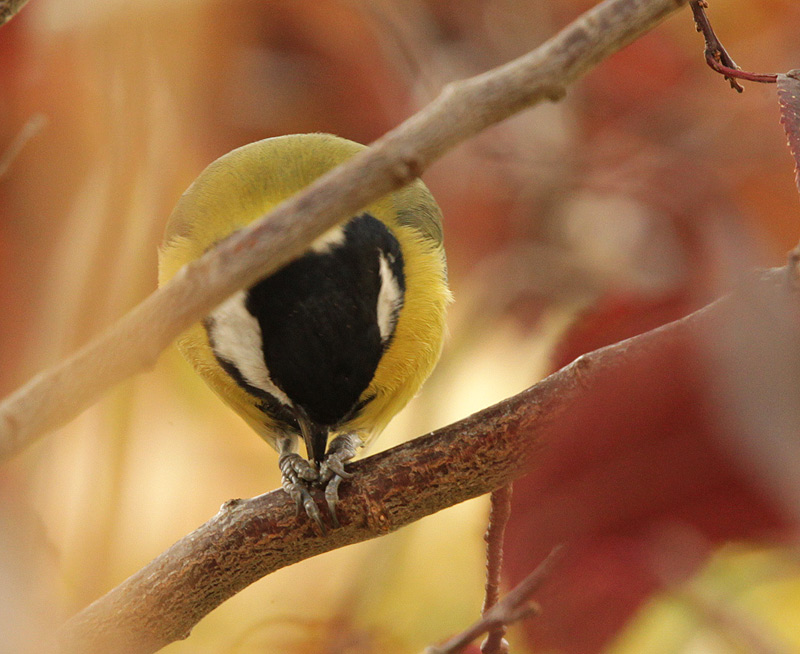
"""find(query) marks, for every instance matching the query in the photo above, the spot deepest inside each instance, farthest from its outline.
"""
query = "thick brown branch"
(249, 539)
(461, 111)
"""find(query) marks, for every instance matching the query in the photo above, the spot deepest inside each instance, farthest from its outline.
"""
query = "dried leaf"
(789, 99)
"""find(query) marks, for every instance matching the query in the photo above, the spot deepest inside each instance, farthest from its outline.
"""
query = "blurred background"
(645, 193)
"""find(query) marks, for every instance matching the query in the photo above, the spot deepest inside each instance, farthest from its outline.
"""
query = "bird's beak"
(314, 436)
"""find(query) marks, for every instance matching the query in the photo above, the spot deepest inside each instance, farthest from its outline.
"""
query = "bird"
(328, 348)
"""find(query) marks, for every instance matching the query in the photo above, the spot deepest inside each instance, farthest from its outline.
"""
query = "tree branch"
(717, 56)
(495, 536)
(249, 539)
(9, 8)
(462, 110)
(512, 608)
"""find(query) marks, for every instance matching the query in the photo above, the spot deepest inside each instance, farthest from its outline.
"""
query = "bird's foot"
(297, 475)
(332, 472)
(295, 467)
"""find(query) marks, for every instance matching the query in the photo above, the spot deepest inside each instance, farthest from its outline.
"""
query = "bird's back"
(346, 333)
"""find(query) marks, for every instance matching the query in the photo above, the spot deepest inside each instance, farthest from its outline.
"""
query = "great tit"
(331, 346)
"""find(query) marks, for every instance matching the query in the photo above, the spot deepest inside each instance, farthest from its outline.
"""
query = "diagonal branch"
(462, 110)
(9, 8)
(249, 539)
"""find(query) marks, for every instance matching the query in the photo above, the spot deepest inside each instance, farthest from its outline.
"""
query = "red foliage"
(641, 458)
(642, 480)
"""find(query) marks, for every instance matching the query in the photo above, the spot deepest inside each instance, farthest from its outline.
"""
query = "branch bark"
(249, 539)
(462, 110)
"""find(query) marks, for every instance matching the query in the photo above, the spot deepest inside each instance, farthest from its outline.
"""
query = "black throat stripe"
(319, 320)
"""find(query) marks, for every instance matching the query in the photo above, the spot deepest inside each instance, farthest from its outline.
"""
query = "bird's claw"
(299, 492)
(333, 466)
(297, 474)
(332, 472)
(295, 467)
(332, 497)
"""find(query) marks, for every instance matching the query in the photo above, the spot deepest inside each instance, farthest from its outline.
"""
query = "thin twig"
(499, 513)
(9, 8)
(512, 608)
(463, 109)
(716, 55)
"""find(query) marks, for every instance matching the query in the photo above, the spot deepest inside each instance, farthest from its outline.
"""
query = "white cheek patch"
(330, 240)
(390, 300)
(236, 336)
